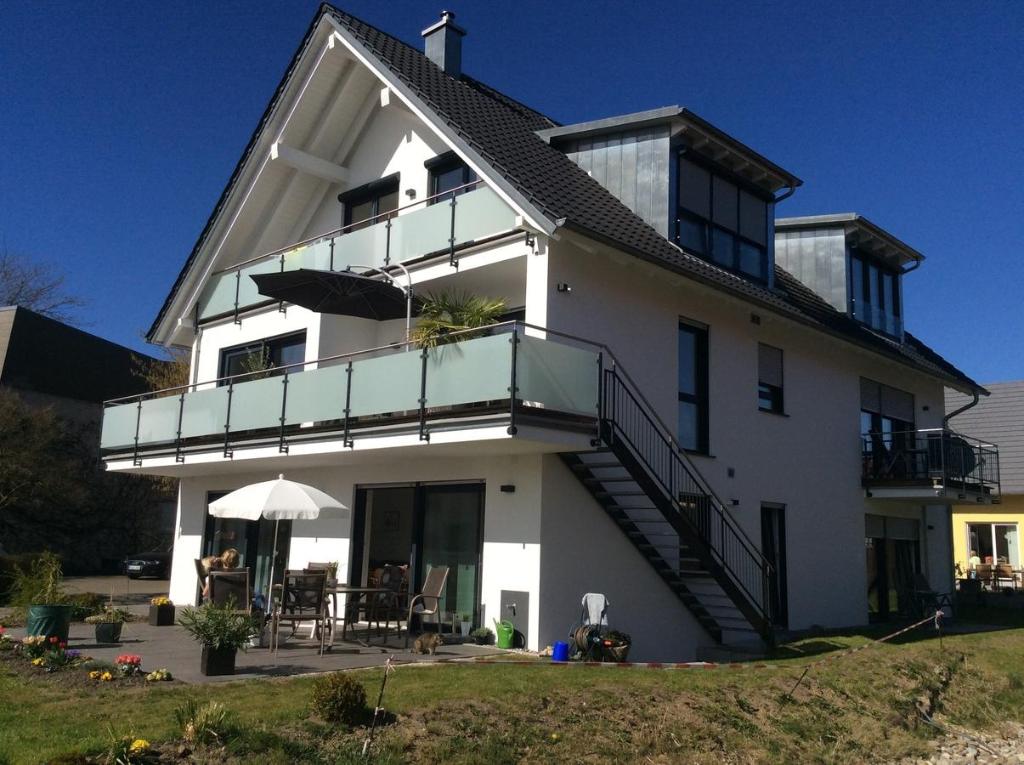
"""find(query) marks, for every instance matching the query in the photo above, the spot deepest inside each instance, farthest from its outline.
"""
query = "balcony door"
(416, 527)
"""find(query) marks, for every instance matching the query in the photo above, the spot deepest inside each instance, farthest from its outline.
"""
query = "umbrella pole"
(273, 560)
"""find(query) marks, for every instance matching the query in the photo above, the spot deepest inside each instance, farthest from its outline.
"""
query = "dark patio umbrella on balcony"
(340, 292)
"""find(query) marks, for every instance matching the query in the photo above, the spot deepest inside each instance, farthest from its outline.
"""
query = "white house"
(673, 413)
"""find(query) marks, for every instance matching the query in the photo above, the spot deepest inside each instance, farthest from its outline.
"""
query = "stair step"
(583, 466)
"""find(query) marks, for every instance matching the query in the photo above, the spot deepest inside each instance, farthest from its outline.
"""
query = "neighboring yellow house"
(993, 531)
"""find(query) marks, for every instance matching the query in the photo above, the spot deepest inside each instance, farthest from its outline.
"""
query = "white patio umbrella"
(277, 501)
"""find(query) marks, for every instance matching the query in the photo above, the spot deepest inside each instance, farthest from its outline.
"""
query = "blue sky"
(120, 124)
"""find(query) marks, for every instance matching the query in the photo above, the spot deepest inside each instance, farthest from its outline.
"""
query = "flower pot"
(161, 616)
(467, 627)
(217, 661)
(108, 632)
(49, 621)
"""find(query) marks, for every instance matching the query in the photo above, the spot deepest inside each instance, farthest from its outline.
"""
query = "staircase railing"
(627, 418)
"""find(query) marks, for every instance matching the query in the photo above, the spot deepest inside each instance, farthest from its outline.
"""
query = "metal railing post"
(424, 435)
(600, 399)
(387, 242)
(331, 261)
(138, 421)
(282, 446)
(451, 236)
(238, 284)
(178, 457)
(345, 440)
(280, 305)
(513, 388)
(228, 454)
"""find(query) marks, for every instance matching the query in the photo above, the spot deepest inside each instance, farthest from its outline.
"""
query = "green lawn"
(847, 710)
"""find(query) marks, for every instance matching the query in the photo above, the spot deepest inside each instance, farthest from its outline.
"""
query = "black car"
(156, 563)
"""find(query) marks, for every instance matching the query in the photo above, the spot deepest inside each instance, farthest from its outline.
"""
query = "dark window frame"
(441, 165)
(263, 344)
(771, 398)
(862, 261)
(368, 192)
(700, 398)
(710, 226)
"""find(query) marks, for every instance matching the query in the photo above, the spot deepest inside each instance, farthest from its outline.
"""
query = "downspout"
(791, 189)
(973, 402)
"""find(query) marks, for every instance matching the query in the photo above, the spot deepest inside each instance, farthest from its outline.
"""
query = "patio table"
(353, 596)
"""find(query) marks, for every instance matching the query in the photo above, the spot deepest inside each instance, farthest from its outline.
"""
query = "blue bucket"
(560, 652)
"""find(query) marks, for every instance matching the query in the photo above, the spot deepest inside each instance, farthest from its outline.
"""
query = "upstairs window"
(875, 294)
(769, 379)
(887, 430)
(448, 176)
(369, 204)
(693, 387)
(263, 358)
(722, 222)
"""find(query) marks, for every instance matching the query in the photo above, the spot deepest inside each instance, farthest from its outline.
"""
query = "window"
(722, 222)
(369, 204)
(448, 173)
(993, 543)
(693, 387)
(773, 547)
(887, 430)
(269, 356)
(769, 379)
(875, 294)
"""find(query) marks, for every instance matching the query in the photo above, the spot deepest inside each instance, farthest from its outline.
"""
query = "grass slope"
(858, 708)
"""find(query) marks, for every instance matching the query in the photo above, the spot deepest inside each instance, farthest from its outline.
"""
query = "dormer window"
(875, 294)
(449, 177)
(722, 220)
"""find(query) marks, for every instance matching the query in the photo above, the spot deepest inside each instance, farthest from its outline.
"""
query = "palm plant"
(445, 313)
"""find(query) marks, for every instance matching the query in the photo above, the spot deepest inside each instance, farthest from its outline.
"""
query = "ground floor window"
(993, 543)
(401, 532)
(773, 547)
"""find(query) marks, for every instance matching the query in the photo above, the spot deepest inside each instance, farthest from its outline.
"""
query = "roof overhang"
(696, 133)
(860, 233)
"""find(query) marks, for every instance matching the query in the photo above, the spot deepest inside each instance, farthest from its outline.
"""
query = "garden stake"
(388, 669)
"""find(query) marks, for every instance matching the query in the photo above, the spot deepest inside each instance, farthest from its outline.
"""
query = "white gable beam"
(307, 163)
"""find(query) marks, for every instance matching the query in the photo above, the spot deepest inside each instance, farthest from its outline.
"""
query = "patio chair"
(231, 587)
(927, 600)
(202, 573)
(1003, 576)
(983, 573)
(302, 600)
(428, 602)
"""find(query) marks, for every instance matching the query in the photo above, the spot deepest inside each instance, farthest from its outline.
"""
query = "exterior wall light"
(563, 287)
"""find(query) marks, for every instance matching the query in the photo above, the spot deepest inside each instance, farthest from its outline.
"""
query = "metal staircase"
(645, 482)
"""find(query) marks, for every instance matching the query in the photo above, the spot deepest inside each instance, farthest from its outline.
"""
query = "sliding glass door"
(994, 542)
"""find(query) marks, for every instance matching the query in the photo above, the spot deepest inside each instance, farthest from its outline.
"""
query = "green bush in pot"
(221, 631)
(108, 624)
(41, 589)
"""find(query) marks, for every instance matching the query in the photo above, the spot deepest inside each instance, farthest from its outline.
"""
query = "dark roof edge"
(855, 219)
(253, 140)
(658, 116)
(959, 380)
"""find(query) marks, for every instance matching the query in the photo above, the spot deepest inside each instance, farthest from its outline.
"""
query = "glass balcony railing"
(435, 225)
(395, 386)
(937, 458)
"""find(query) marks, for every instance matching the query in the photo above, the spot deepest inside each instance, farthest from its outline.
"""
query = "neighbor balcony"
(933, 465)
(443, 225)
(507, 376)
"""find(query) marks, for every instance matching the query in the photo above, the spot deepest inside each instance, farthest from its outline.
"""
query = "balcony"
(932, 465)
(505, 375)
(437, 225)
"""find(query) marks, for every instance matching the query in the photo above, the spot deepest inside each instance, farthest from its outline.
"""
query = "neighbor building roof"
(998, 419)
(504, 132)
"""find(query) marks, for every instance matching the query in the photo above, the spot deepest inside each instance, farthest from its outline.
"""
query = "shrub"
(38, 582)
(203, 724)
(339, 698)
(10, 567)
(84, 605)
(218, 627)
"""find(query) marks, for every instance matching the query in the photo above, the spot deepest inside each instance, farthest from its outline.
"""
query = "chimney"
(443, 44)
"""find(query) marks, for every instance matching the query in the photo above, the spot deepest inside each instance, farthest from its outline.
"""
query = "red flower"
(54, 639)
(63, 646)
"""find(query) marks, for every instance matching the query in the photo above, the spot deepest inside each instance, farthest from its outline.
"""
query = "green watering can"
(505, 632)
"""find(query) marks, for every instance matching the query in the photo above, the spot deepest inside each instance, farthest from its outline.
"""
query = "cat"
(427, 643)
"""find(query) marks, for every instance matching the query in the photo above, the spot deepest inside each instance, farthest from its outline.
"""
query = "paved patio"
(173, 649)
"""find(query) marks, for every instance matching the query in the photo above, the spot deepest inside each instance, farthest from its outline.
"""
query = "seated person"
(229, 558)
(210, 563)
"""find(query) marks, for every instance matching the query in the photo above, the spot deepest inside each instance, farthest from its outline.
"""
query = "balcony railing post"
(331, 262)
(138, 421)
(228, 454)
(282, 446)
(451, 235)
(238, 285)
(178, 456)
(387, 241)
(280, 305)
(600, 399)
(345, 440)
(513, 388)
(424, 435)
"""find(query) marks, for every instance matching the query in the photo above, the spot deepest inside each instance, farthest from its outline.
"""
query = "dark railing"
(938, 457)
(629, 420)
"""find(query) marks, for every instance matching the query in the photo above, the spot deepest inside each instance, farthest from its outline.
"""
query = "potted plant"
(446, 313)
(222, 631)
(108, 624)
(482, 636)
(49, 614)
(466, 622)
(161, 612)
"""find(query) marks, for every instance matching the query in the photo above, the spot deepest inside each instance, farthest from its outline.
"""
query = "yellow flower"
(38, 662)
(106, 676)
(94, 675)
(139, 745)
